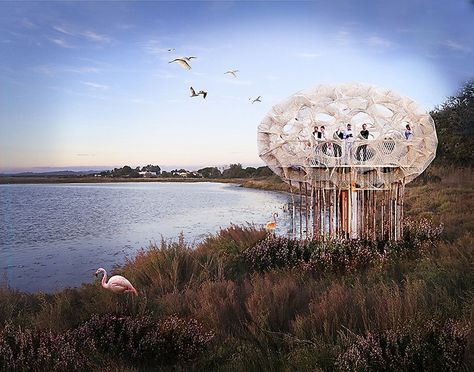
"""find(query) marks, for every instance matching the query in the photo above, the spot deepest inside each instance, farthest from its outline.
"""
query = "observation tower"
(350, 150)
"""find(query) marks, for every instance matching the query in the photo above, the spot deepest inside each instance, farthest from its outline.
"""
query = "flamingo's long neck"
(104, 280)
(274, 218)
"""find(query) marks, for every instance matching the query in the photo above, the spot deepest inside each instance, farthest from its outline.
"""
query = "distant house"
(147, 174)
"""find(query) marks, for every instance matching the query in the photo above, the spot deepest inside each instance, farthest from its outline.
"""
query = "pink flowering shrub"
(135, 341)
(421, 231)
(35, 350)
(145, 341)
(340, 256)
(434, 346)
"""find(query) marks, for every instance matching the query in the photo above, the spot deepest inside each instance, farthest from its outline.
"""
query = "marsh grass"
(369, 303)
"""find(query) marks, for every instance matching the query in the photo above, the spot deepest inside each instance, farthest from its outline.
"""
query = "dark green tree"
(151, 168)
(234, 171)
(454, 121)
(125, 171)
(264, 172)
(210, 172)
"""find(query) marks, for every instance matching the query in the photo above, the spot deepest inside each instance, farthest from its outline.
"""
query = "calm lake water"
(56, 236)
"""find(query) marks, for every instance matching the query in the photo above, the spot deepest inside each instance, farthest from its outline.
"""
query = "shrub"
(434, 346)
(144, 341)
(417, 232)
(339, 256)
(27, 349)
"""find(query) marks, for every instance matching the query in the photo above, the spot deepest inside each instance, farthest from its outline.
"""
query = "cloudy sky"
(88, 84)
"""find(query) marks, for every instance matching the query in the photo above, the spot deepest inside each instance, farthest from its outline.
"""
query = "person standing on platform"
(349, 138)
(363, 135)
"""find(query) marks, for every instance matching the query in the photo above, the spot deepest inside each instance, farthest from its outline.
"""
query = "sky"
(88, 85)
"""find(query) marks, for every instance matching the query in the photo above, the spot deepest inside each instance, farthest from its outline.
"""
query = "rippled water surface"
(54, 236)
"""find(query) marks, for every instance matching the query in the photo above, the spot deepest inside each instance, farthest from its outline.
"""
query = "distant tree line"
(233, 171)
(129, 172)
(454, 122)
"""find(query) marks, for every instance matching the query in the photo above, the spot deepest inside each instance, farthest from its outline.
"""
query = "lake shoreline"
(265, 183)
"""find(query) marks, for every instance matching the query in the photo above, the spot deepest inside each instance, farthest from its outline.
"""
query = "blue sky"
(88, 84)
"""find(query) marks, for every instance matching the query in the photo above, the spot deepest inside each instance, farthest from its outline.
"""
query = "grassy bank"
(243, 301)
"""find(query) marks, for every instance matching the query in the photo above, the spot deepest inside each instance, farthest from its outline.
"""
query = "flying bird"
(194, 94)
(183, 62)
(171, 50)
(271, 225)
(232, 72)
(256, 99)
(117, 283)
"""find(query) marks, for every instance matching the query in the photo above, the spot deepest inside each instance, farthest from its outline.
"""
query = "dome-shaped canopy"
(400, 144)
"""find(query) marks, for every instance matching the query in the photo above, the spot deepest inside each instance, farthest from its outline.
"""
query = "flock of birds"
(119, 284)
(185, 62)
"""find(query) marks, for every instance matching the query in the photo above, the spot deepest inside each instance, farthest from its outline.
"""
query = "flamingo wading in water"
(271, 225)
(116, 283)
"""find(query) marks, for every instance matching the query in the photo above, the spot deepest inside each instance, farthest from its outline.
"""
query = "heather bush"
(435, 346)
(36, 350)
(315, 256)
(141, 340)
(420, 231)
(340, 256)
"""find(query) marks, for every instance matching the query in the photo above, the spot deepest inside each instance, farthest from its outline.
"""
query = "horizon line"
(85, 168)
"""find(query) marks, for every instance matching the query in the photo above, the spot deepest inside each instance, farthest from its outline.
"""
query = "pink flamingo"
(271, 225)
(116, 283)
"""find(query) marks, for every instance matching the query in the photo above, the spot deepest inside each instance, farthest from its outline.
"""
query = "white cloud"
(87, 34)
(28, 24)
(63, 30)
(154, 47)
(82, 69)
(60, 42)
(95, 85)
(55, 69)
(377, 41)
(94, 36)
(453, 45)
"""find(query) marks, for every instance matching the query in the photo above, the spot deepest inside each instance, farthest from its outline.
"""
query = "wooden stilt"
(301, 212)
(306, 208)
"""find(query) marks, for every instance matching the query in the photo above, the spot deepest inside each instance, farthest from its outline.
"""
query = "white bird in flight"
(183, 62)
(117, 283)
(256, 99)
(232, 72)
(171, 50)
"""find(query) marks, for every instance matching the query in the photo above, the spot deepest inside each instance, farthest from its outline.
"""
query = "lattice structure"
(342, 177)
